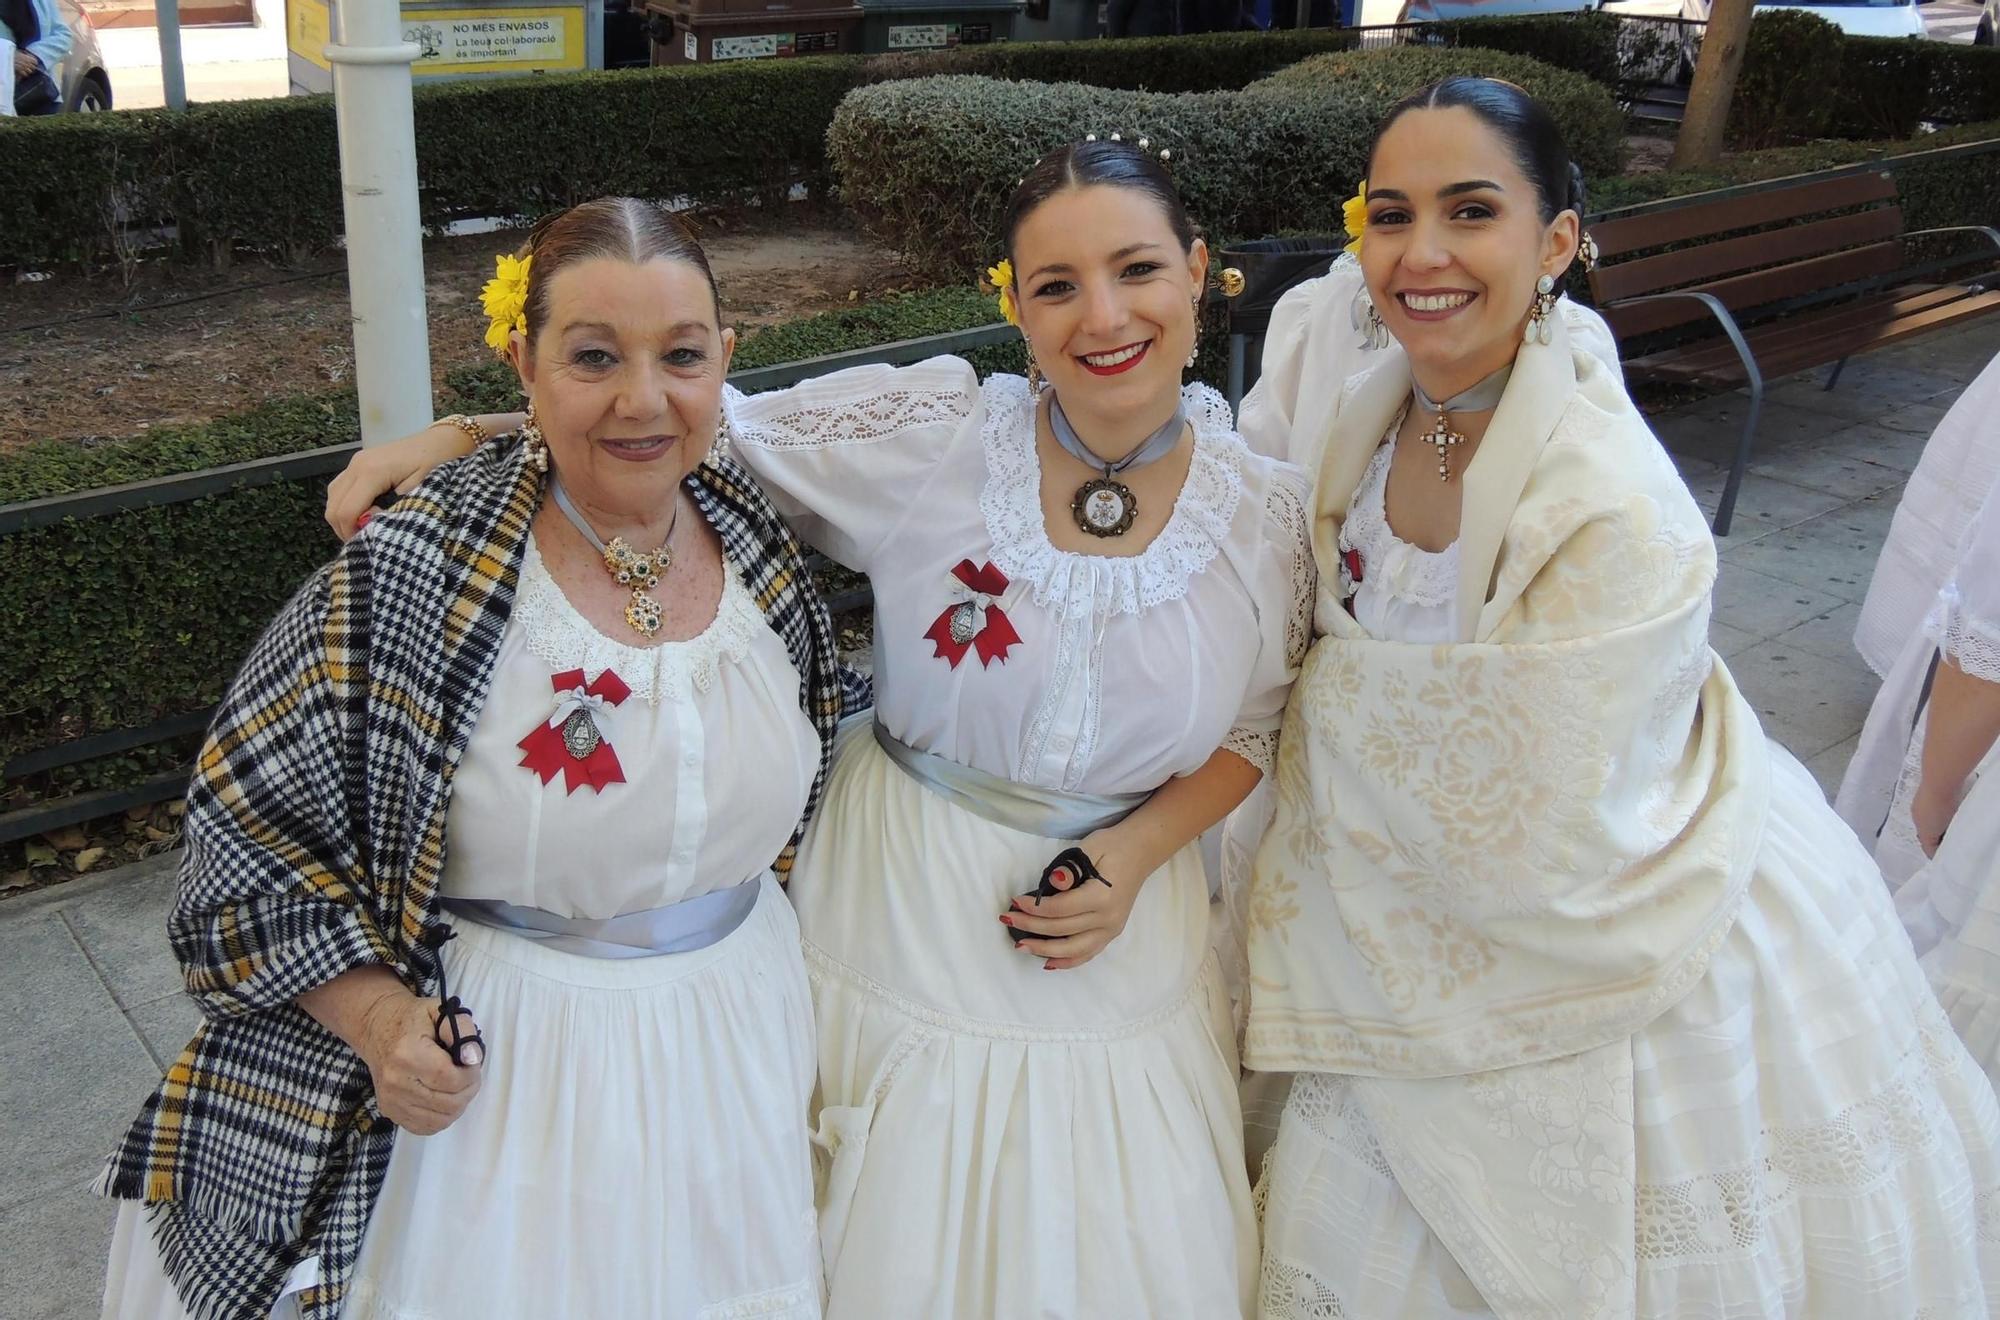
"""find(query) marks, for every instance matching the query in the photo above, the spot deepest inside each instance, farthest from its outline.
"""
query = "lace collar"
(558, 635)
(1073, 583)
(1403, 571)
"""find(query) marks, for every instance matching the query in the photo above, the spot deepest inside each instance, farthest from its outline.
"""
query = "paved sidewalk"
(95, 1009)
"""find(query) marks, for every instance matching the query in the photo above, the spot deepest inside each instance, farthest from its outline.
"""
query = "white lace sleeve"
(1965, 620)
(1259, 749)
(844, 456)
(1285, 585)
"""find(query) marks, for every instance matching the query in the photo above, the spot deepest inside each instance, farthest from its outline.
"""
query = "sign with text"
(536, 38)
(923, 36)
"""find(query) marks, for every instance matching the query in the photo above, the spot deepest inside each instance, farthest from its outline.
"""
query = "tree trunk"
(1700, 141)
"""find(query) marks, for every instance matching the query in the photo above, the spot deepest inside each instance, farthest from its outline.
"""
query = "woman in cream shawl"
(1597, 1009)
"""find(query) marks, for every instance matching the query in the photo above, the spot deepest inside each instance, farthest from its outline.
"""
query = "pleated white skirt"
(1813, 1142)
(999, 1142)
(638, 1150)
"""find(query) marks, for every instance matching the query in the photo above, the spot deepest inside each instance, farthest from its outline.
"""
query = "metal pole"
(173, 77)
(378, 182)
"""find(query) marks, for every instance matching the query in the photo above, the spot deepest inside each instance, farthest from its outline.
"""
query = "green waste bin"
(927, 25)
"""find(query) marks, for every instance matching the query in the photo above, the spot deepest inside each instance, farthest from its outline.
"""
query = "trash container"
(1263, 271)
(714, 31)
(930, 25)
(1060, 20)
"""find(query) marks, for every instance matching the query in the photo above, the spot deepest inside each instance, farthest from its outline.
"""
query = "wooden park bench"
(1827, 274)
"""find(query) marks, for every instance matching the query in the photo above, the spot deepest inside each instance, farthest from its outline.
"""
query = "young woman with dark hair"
(1595, 1007)
(1089, 604)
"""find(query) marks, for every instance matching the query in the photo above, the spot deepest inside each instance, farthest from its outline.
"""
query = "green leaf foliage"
(1792, 58)
(120, 621)
(263, 176)
(928, 163)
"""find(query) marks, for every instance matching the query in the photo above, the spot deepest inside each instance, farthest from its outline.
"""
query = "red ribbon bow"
(992, 634)
(1350, 559)
(546, 751)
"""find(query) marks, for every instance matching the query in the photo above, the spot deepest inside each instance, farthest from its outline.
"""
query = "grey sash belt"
(1047, 812)
(680, 927)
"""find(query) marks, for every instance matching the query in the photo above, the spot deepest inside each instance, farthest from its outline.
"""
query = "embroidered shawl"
(315, 843)
(1493, 861)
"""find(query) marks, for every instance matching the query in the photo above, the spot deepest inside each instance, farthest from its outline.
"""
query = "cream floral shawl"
(1492, 862)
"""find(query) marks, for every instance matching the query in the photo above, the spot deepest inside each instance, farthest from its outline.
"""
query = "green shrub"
(1888, 85)
(1585, 43)
(928, 163)
(263, 176)
(120, 621)
(1960, 191)
(1209, 63)
(1592, 128)
(1790, 79)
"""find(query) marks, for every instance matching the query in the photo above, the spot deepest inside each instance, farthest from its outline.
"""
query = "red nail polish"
(1006, 921)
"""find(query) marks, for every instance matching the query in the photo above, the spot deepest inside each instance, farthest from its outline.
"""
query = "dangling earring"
(1367, 322)
(531, 437)
(1539, 311)
(1194, 349)
(1037, 382)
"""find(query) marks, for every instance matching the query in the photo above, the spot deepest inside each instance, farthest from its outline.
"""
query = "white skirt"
(998, 1141)
(638, 1149)
(1812, 1140)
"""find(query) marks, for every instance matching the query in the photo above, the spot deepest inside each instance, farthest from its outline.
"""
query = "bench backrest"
(1807, 251)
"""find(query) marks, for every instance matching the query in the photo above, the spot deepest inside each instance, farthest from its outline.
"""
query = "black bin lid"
(1271, 268)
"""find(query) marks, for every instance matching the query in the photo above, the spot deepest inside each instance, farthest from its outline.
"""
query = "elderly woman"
(515, 711)
(1597, 1010)
(1089, 603)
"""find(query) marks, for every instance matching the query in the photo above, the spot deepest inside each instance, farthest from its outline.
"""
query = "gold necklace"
(630, 568)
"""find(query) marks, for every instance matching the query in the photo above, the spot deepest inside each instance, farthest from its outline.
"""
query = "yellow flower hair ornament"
(505, 299)
(1354, 217)
(1001, 277)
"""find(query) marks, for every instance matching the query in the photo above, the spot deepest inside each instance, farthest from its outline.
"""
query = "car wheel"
(1984, 37)
(93, 95)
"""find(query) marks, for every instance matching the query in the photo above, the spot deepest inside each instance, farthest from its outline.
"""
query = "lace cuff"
(1259, 749)
(1972, 643)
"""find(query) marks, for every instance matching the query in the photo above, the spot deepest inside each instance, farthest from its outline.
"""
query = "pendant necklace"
(640, 572)
(1481, 397)
(1106, 506)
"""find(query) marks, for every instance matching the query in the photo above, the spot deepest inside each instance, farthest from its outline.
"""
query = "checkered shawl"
(315, 842)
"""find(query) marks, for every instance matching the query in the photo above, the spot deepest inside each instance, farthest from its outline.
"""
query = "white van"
(1860, 18)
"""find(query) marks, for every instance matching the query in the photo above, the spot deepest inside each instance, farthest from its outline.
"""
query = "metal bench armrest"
(1992, 234)
(1721, 314)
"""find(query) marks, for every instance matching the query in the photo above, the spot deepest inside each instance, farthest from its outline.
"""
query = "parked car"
(1857, 18)
(84, 82)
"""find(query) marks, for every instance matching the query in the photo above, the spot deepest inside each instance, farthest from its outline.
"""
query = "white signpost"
(378, 181)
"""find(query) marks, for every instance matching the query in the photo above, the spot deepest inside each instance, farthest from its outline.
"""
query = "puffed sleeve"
(844, 457)
(1965, 621)
(1300, 348)
(1285, 583)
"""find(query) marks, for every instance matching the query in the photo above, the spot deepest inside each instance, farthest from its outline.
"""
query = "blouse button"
(691, 759)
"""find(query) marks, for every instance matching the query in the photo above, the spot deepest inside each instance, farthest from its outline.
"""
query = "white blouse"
(1128, 670)
(1406, 594)
(717, 756)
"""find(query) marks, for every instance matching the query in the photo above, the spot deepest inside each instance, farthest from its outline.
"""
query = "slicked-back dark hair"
(1529, 131)
(1084, 164)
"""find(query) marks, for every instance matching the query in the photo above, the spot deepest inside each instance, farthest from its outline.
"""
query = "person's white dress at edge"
(1902, 619)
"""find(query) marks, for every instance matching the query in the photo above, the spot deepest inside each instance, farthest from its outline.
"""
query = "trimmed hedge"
(263, 176)
(120, 621)
(1791, 60)
(1952, 192)
(1888, 85)
(1591, 126)
(927, 163)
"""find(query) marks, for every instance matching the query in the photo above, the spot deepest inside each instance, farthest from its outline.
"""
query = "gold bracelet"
(473, 429)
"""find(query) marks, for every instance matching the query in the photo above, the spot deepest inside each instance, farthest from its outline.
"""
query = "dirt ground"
(82, 359)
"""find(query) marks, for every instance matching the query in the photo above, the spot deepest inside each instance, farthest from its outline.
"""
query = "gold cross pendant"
(1441, 438)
